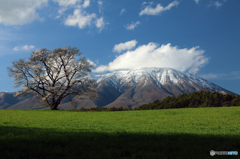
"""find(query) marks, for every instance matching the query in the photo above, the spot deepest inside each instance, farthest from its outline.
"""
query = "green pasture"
(166, 133)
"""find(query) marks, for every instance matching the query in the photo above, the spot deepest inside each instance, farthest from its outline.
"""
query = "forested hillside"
(194, 100)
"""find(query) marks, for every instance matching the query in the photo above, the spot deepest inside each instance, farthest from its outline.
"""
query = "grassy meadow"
(166, 133)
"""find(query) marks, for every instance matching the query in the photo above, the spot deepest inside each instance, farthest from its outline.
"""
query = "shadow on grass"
(30, 143)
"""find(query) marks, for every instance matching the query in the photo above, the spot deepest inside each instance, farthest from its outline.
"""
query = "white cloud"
(122, 11)
(125, 46)
(80, 19)
(16, 48)
(66, 3)
(99, 23)
(19, 12)
(25, 47)
(197, 1)
(61, 11)
(209, 76)
(151, 55)
(154, 11)
(226, 76)
(132, 26)
(83, 19)
(144, 3)
(217, 4)
(100, 3)
(86, 3)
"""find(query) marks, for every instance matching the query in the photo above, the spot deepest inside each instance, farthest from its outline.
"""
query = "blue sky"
(197, 36)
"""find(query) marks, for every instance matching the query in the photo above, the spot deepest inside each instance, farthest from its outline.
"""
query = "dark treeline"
(192, 100)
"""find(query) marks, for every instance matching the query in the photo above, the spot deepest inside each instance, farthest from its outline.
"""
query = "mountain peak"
(159, 76)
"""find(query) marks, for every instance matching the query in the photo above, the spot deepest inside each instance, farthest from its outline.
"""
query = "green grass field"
(166, 133)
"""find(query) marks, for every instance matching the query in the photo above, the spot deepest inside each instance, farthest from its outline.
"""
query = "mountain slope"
(135, 87)
(140, 86)
(7, 99)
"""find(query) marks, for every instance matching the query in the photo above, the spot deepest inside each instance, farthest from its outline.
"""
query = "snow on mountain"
(159, 76)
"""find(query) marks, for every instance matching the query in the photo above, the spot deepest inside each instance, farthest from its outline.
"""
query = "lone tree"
(52, 76)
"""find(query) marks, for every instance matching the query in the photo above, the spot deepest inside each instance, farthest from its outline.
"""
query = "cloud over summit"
(153, 55)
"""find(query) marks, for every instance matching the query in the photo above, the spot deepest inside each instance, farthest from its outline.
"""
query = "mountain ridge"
(168, 74)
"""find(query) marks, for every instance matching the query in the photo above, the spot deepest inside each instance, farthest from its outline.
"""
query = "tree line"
(194, 100)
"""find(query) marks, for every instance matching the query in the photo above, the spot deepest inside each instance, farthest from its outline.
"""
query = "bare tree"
(52, 76)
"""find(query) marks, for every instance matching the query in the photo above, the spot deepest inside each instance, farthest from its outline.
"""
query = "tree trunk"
(54, 106)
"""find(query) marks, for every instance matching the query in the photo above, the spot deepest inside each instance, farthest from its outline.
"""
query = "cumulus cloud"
(125, 46)
(132, 26)
(83, 19)
(154, 11)
(86, 3)
(80, 18)
(151, 55)
(122, 11)
(197, 1)
(19, 12)
(25, 47)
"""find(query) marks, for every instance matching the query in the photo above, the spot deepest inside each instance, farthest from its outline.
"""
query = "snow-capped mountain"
(158, 76)
(133, 88)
